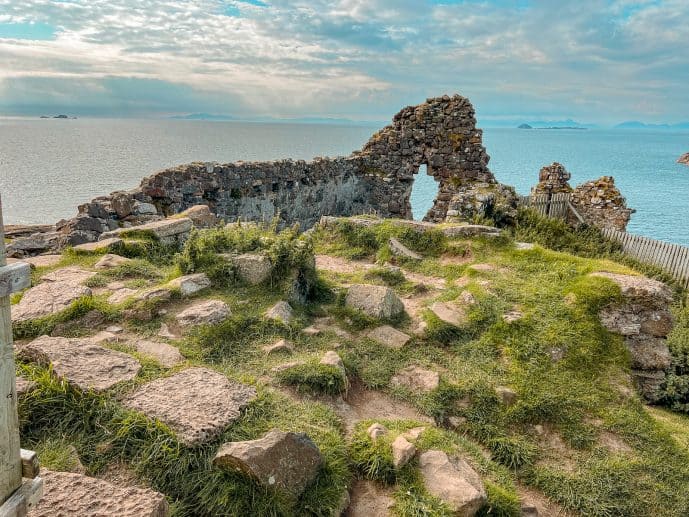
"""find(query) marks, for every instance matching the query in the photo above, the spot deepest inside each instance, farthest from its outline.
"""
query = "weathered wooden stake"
(10, 458)
(15, 498)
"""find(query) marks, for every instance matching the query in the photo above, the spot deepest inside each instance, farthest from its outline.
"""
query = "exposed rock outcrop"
(684, 159)
(601, 204)
(643, 317)
(374, 300)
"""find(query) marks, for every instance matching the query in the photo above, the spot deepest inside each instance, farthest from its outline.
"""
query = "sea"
(49, 166)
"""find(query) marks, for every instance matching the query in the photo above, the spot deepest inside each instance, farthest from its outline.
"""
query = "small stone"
(414, 433)
(467, 298)
(114, 329)
(483, 268)
(110, 261)
(449, 313)
(190, 284)
(23, 386)
(201, 216)
(167, 355)
(454, 483)
(81, 363)
(416, 378)
(389, 336)
(456, 422)
(286, 366)
(279, 347)
(522, 246)
(164, 332)
(402, 452)
(376, 430)
(103, 337)
(156, 294)
(512, 316)
(311, 331)
(281, 311)
(287, 461)
(210, 312)
(401, 250)
(197, 404)
(331, 358)
(374, 300)
(507, 396)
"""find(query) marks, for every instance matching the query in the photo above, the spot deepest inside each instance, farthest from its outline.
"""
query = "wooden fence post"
(10, 459)
(15, 498)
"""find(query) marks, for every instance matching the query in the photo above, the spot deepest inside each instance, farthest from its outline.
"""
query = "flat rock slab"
(166, 230)
(639, 289)
(453, 482)
(252, 268)
(46, 299)
(43, 260)
(71, 275)
(74, 495)
(287, 461)
(449, 313)
(389, 336)
(102, 245)
(374, 300)
(197, 404)
(80, 362)
(210, 312)
(111, 261)
(416, 378)
(281, 311)
(121, 295)
(401, 250)
(167, 355)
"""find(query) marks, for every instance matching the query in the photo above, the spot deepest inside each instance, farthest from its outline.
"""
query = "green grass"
(313, 377)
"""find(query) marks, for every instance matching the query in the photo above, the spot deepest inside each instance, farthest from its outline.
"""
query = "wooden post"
(10, 458)
(15, 498)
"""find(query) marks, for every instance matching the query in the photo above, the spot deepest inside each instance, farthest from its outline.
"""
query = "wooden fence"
(672, 258)
(557, 206)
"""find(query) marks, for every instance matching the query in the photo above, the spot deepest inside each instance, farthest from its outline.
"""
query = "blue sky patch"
(25, 30)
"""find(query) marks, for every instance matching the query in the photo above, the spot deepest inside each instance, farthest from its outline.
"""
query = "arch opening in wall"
(423, 193)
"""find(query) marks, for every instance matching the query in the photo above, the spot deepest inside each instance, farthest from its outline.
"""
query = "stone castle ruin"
(441, 134)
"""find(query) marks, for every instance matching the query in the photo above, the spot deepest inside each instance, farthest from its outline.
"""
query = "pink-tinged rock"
(74, 495)
(167, 355)
(389, 336)
(453, 482)
(81, 363)
(197, 404)
(286, 461)
(402, 452)
(210, 312)
(416, 378)
(374, 300)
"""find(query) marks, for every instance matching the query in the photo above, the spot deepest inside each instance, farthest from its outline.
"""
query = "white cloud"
(594, 58)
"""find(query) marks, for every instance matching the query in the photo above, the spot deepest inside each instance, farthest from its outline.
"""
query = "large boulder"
(374, 300)
(81, 363)
(209, 312)
(168, 231)
(453, 482)
(197, 404)
(287, 461)
(281, 311)
(642, 316)
(68, 494)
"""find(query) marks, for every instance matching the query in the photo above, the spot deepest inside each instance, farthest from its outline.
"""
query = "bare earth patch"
(369, 499)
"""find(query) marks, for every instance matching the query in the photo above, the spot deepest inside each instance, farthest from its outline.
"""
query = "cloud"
(600, 60)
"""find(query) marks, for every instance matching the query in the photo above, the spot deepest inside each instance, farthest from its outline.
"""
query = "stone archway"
(440, 133)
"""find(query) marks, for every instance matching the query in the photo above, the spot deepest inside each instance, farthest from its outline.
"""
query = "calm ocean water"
(48, 167)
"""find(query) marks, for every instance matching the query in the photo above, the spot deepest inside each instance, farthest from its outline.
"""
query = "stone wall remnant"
(552, 179)
(601, 204)
(441, 133)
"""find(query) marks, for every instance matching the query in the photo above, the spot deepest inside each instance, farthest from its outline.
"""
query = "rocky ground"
(366, 368)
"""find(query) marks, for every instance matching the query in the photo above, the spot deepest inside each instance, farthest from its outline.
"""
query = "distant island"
(58, 116)
(527, 126)
(635, 124)
(684, 159)
(210, 117)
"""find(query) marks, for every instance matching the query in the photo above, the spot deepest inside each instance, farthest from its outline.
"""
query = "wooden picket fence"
(556, 206)
(672, 258)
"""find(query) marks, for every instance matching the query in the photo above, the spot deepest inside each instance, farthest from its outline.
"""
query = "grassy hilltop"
(533, 392)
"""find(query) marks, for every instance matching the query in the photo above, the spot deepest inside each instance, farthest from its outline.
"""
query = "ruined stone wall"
(552, 179)
(440, 133)
(601, 204)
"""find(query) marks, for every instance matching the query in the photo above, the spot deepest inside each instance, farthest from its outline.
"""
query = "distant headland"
(61, 116)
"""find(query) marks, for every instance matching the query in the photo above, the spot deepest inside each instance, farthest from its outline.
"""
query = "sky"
(598, 61)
